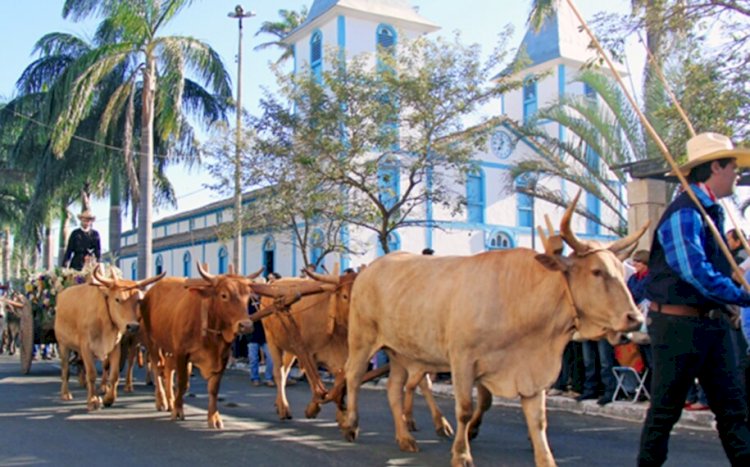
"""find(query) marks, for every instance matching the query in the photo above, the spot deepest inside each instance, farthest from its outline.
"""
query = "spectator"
(258, 344)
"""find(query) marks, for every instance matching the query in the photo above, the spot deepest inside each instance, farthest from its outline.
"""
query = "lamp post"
(239, 14)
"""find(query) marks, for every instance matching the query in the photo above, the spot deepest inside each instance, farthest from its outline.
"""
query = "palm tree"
(290, 20)
(603, 134)
(156, 71)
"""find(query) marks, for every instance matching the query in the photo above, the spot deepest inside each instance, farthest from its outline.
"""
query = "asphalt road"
(39, 429)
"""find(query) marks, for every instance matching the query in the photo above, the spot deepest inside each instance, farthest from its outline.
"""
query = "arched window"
(187, 261)
(524, 204)
(223, 260)
(269, 249)
(134, 271)
(316, 250)
(529, 99)
(475, 197)
(316, 54)
(385, 38)
(159, 265)
(499, 241)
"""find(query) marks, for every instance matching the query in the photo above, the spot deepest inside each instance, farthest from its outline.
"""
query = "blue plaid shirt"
(681, 236)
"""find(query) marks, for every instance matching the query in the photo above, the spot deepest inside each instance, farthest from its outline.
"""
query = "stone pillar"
(647, 199)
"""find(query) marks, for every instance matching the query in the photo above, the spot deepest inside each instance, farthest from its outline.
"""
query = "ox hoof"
(66, 397)
(312, 410)
(215, 421)
(95, 403)
(128, 388)
(350, 434)
(411, 425)
(464, 460)
(473, 432)
(178, 414)
(284, 414)
(446, 430)
(108, 401)
(407, 444)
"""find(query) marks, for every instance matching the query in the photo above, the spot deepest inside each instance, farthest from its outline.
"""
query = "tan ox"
(499, 319)
(91, 319)
(194, 320)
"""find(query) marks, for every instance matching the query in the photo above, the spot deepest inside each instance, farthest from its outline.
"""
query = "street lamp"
(238, 14)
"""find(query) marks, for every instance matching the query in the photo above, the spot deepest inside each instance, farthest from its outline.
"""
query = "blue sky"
(24, 22)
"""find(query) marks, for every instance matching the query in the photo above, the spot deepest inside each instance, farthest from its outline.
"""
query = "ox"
(322, 321)
(91, 319)
(194, 320)
(466, 315)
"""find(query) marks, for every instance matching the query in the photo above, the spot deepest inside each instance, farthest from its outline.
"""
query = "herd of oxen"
(498, 321)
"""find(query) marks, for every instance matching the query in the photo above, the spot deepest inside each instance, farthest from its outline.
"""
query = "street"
(38, 428)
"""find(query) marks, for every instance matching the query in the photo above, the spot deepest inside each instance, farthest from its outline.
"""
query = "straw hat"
(86, 215)
(707, 147)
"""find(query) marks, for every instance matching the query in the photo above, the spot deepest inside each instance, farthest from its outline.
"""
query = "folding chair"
(629, 380)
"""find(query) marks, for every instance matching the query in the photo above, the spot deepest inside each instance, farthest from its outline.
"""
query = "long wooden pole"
(691, 130)
(663, 148)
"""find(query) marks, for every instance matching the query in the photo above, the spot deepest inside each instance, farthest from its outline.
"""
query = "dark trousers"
(684, 348)
(604, 353)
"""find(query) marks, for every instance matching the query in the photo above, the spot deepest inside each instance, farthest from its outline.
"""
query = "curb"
(620, 410)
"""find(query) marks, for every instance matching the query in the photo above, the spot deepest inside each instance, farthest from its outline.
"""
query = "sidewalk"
(623, 410)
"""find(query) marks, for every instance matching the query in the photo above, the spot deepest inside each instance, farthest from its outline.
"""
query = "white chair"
(630, 381)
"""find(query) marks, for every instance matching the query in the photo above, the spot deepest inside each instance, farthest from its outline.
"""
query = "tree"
(290, 20)
(157, 66)
(391, 137)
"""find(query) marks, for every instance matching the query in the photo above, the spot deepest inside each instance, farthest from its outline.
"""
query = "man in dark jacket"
(84, 244)
(688, 278)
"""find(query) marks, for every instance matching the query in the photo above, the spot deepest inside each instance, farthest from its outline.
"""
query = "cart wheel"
(27, 337)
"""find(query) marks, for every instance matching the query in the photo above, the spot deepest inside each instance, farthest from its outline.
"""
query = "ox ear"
(552, 262)
(204, 292)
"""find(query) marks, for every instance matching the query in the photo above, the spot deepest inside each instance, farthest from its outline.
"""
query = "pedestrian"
(688, 278)
(256, 345)
(84, 244)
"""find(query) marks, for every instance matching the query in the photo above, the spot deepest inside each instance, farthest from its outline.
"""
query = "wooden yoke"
(284, 298)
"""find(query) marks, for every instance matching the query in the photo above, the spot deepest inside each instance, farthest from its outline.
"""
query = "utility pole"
(238, 14)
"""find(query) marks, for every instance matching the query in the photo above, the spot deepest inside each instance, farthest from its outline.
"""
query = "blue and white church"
(496, 215)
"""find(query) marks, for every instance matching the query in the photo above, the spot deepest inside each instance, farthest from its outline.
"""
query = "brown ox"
(323, 322)
(194, 320)
(499, 320)
(91, 319)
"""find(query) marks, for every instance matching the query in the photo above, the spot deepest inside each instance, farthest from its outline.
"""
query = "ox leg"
(132, 351)
(313, 407)
(396, 383)
(462, 386)
(442, 426)
(339, 391)
(179, 365)
(65, 373)
(536, 419)
(169, 369)
(280, 373)
(484, 402)
(214, 418)
(356, 367)
(94, 402)
(159, 380)
(114, 376)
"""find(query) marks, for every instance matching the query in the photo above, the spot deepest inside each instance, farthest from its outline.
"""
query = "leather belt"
(679, 310)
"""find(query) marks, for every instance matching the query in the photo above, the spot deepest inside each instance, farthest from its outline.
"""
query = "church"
(496, 216)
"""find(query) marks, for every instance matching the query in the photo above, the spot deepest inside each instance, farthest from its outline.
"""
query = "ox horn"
(326, 278)
(623, 243)
(11, 303)
(205, 274)
(256, 273)
(150, 280)
(566, 233)
(103, 280)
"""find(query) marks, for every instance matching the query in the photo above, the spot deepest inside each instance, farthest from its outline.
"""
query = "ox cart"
(36, 308)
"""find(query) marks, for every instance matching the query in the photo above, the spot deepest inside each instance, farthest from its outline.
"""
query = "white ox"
(499, 320)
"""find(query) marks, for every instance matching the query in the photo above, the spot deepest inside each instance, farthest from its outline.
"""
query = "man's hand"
(733, 315)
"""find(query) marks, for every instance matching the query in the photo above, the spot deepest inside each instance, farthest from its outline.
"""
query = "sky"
(23, 22)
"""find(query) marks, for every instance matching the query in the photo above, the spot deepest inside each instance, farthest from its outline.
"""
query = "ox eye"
(224, 296)
(597, 273)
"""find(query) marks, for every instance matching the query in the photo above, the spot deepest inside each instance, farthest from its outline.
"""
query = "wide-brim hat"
(86, 215)
(707, 147)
